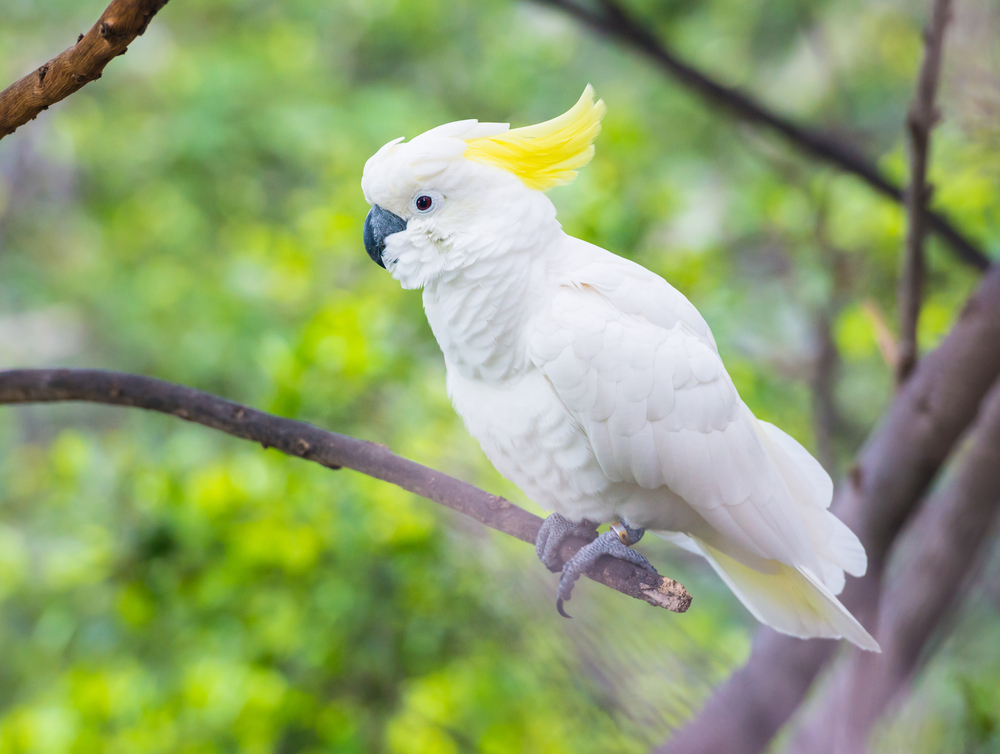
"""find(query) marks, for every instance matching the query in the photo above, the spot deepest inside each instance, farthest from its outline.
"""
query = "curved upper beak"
(379, 224)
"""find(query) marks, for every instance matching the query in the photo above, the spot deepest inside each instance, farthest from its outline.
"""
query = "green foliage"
(196, 215)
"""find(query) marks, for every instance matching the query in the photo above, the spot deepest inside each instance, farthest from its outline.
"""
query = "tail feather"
(793, 601)
(812, 489)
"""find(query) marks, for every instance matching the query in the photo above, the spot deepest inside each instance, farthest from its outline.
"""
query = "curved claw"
(559, 607)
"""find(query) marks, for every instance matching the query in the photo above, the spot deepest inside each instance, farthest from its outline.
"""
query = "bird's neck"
(479, 313)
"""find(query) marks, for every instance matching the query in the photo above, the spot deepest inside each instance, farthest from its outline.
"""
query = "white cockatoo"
(591, 383)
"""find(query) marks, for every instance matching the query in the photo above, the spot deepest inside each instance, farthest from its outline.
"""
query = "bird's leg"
(627, 534)
(555, 529)
(614, 543)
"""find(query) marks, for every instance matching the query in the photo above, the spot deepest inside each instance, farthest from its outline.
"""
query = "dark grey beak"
(379, 224)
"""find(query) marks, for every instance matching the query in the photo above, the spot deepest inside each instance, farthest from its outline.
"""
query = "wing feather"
(638, 370)
(659, 409)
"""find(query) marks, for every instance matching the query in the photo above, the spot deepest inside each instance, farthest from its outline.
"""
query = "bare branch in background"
(832, 428)
(892, 473)
(329, 449)
(823, 381)
(82, 63)
(922, 117)
(937, 553)
(884, 338)
(614, 22)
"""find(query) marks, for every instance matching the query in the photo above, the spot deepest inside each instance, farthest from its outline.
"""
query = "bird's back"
(637, 368)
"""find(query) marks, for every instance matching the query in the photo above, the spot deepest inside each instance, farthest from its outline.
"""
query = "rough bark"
(82, 63)
(891, 474)
(330, 449)
(932, 561)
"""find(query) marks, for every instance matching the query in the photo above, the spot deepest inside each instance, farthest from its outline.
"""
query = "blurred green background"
(196, 215)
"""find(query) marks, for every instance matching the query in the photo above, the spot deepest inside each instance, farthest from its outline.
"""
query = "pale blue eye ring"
(426, 201)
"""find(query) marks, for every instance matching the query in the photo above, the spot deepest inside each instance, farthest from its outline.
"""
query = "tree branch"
(823, 382)
(329, 449)
(82, 63)
(891, 474)
(615, 23)
(921, 119)
(884, 339)
(933, 559)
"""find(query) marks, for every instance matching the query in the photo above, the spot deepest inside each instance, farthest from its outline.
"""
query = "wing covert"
(660, 410)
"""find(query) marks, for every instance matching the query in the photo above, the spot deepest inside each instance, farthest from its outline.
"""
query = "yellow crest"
(546, 154)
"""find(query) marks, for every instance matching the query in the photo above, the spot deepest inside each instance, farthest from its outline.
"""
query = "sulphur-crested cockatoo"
(591, 383)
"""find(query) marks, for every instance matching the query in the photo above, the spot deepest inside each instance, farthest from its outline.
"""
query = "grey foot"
(611, 543)
(555, 529)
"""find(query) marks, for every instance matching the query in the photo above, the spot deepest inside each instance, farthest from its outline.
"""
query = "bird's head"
(467, 190)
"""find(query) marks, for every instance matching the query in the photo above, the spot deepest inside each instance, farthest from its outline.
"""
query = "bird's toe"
(609, 543)
(554, 531)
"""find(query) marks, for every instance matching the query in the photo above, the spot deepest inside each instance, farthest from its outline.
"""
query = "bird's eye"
(423, 203)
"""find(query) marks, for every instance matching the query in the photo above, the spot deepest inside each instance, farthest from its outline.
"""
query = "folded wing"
(648, 387)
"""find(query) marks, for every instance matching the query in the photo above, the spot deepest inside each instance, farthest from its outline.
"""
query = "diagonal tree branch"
(936, 555)
(82, 63)
(615, 23)
(921, 119)
(891, 474)
(329, 449)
